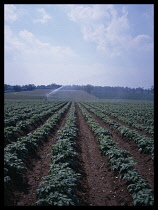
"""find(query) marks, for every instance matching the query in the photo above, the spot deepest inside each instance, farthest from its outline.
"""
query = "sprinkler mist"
(53, 92)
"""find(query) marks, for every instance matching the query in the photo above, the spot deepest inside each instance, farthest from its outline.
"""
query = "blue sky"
(98, 44)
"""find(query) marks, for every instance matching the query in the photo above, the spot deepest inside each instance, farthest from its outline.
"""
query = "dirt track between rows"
(102, 188)
(38, 167)
(99, 185)
(145, 164)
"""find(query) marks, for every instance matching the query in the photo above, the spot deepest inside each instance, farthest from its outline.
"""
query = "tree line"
(29, 87)
(90, 88)
(103, 92)
(108, 92)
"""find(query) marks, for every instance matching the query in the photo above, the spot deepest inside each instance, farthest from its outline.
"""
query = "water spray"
(53, 92)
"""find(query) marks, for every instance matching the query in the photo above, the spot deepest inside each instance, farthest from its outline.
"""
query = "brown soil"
(145, 164)
(38, 167)
(101, 186)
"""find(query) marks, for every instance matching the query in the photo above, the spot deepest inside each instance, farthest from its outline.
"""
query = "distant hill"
(89, 93)
(77, 95)
(34, 94)
(101, 92)
(108, 92)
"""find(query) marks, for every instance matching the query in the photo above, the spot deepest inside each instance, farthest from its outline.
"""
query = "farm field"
(74, 149)
(61, 95)
(35, 94)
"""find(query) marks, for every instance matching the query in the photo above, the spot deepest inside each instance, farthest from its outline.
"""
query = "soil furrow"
(38, 168)
(101, 186)
(145, 170)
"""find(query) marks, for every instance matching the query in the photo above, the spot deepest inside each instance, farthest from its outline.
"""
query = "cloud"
(11, 42)
(109, 29)
(12, 13)
(142, 42)
(44, 16)
(26, 43)
(82, 13)
(40, 62)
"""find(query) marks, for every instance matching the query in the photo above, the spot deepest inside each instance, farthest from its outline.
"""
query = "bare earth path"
(38, 168)
(102, 188)
(99, 185)
(145, 164)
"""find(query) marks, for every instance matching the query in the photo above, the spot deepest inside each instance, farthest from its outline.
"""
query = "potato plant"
(11, 132)
(58, 188)
(145, 144)
(16, 153)
(121, 162)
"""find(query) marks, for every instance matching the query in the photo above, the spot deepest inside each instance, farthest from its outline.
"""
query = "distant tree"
(5, 87)
(8, 88)
(54, 86)
(133, 90)
(88, 88)
(152, 89)
(29, 87)
(142, 90)
(17, 88)
(41, 86)
(138, 90)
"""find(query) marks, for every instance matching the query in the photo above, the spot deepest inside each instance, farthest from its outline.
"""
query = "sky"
(66, 44)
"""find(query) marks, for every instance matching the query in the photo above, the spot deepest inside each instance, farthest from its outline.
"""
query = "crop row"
(58, 188)
(12, 133)
(136, 113)
(12, 117)
(131, 122)
(24, 106)
(17, 153)
(145, 144)
(131, 118)
(121, 163)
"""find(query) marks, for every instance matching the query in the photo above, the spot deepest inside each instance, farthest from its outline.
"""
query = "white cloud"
(26, 43)
(110, 30)
(82, 13)
(11, 13)
(44, 17)
(141, 38)
(40, 62)
(12, 43)
(142, 42)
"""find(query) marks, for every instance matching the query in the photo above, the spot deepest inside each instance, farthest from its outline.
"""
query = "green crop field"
(72, 148)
